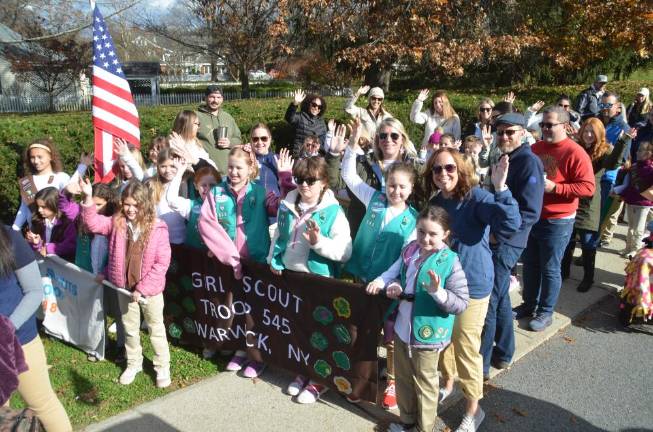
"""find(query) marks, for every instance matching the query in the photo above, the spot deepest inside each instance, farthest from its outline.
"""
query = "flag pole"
(92, 2)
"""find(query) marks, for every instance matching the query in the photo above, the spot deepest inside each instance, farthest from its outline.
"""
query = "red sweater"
(570, 168)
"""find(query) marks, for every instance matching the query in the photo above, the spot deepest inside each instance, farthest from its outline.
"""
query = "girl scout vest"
(254, 216)
(316, 263)
(193, 238)
(430, 324)
(375, 249)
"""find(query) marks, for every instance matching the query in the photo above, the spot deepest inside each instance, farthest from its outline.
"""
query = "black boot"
(565, 265)
(589, 258)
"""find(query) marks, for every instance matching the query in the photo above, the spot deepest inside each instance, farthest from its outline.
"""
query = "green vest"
(193, 238)
(83, 252)
(316, 263)
(255, 218)
(430, 324)
(375, 249)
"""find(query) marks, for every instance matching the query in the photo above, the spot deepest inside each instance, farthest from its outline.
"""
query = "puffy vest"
(193, 238)
(316, 263)
(255, 218)
(375, 249)
(430, 324)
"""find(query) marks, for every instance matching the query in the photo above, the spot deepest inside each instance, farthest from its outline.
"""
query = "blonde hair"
(447, 110)
(137, 157)
(407, 145)
(155, 183)
(146, 215)
(246, 152)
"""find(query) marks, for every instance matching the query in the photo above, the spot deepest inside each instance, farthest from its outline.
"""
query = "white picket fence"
(25, 104)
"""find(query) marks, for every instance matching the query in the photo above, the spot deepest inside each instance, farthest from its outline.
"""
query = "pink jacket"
(156, 256)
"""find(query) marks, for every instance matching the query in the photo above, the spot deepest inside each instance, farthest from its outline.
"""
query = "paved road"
(593, 376)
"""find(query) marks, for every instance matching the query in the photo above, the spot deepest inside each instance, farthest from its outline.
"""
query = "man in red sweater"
(569, 176)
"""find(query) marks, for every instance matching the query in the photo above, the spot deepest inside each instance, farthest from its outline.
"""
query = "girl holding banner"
(312, 236)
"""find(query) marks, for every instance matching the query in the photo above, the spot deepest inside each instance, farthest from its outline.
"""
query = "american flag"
(114, 112)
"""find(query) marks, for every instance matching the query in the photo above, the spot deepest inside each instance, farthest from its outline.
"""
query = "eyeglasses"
(314, 105)
(310, 181)
(563, 105)
(449, 168)
(548, 125)
(507, 132)
(485, 109)
(384, 136)
(604, 106)
(376, 99)
(263, 138)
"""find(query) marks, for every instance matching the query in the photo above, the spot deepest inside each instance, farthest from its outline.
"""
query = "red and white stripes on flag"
(114, 115)
(114, 112)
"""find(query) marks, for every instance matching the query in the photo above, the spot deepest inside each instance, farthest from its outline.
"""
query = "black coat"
(305, 125)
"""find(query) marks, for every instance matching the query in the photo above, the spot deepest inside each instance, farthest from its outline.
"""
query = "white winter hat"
(376, 92)
(644, 92)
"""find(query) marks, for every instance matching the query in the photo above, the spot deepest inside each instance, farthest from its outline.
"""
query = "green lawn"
(90, 392)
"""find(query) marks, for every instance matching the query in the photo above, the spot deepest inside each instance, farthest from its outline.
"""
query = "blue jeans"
(498, 321)
(542, 259)
(588, 239)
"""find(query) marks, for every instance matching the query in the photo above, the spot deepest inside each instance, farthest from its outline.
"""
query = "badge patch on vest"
(425, 332)
(443, 256)
(221, 198)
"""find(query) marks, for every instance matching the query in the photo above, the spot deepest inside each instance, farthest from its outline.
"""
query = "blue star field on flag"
(104, 52)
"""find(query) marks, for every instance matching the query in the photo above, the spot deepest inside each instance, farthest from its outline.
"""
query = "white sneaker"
(129, 375)
(163, 377)
(296, 385)
(443, 393)
(514, 284)
(311, 393)
(471, 423)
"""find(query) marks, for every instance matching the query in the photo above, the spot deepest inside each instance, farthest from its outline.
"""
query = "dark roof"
(141, 69)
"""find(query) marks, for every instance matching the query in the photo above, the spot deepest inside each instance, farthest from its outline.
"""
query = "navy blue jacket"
(526, 183)
(471, 220)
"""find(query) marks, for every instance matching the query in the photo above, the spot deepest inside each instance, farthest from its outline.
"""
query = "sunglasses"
(563, 105)
(548, 125)
(449, 168)
(485, 109)
(507, 132)
(261, 138)
(376, 99)
(605, 105)
(314, 105)
(310, 181)
(394, 135)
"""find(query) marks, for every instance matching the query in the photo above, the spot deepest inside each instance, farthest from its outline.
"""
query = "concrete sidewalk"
(228, 402)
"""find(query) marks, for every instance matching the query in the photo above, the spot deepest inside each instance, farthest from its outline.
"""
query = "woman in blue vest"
(234, 224)
(312, 236)
(431, 284)
(388, 225)
(21, 292)
(451, 183)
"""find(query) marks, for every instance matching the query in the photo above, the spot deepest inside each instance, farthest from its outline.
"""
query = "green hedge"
(73, 132)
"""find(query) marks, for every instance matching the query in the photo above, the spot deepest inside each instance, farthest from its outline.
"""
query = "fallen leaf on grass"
(89, 397)
(519, 412)
(446, 429)
(569, 340)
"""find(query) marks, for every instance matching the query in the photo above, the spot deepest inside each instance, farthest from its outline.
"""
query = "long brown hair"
(600, 146)
(183, 124)
(146, 215)
(7, 256)
(467, 178)
(55, 157)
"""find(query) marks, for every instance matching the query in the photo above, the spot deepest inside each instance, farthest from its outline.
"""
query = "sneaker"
(253, 369)
(163, 377)
(514, 284)
(471, 423)
(499, 364)
(352, 398)
(521, 311)
(400, 427)
(129, 375)
(311, 393)
(113, 328)
(443, 393)
(296, 385)
(389, 396)
(604, 243)
(208, 353)
(92, 358)
(540, 322)
(236, 363)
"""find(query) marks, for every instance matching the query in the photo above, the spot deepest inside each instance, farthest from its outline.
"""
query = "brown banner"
(323, 328)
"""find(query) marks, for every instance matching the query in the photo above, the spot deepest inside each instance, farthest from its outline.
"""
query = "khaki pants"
(610, 220)
(131, 318)
(462, 357)
(35, 388)
(416, 385)
(637, 218)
